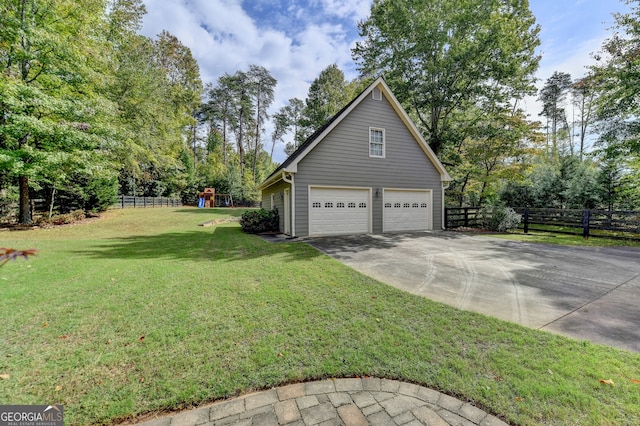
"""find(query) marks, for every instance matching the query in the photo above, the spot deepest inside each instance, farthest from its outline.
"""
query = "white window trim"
(383, 142)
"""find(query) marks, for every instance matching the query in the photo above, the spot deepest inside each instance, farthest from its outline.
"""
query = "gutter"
(445, 185)
(291, 181)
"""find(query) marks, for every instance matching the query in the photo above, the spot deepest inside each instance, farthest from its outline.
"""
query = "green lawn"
(143, 310)
(564, 238)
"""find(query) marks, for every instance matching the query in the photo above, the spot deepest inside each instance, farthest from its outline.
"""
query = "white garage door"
(339, 211)
(406, 210)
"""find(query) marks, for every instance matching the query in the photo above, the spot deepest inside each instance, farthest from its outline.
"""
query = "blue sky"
(296, 39)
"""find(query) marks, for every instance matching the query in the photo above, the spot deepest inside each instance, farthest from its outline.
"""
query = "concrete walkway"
(348, 402)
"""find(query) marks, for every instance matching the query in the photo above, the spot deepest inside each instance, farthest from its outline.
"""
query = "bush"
(500, 219)
(257, 221)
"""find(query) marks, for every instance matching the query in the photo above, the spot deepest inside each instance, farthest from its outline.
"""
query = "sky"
(296, 39)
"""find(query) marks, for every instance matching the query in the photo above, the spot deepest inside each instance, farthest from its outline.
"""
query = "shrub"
(499, 218)
(257, 221)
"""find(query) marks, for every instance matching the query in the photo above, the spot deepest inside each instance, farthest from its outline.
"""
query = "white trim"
(369, 204)
(287, 212)
(384, 141)
(429, 202)
(292, 204)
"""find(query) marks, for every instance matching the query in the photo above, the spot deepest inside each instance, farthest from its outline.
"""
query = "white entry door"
(335, 211)
(407, 210)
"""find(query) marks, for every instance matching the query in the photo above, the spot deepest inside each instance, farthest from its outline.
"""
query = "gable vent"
(377, 95)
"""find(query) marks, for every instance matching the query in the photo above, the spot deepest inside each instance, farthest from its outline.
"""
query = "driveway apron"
(588, 293)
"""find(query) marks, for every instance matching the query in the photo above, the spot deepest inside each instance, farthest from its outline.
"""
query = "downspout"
(445, 185)
(291, 181)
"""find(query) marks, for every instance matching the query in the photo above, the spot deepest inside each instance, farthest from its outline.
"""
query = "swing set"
(209, 199)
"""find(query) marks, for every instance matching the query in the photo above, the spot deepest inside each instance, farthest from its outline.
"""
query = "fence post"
(585, 223)
(122, 201)
(526, 220)
(446, 218)
(466, 217)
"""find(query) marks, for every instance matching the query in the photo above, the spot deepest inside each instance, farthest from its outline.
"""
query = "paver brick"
(492, 421)
(363, 399)
(324, 386)
(389, 385)
(429, 395)
(472, 413)
(408, 389)
(261, 399)
(291, 391)
(287, 411)
(318, 414)
(340, 398)
(266, 419)
(192, 417)
(449, 403)
(429, 417)
(398, 405)
(372, 409)
(226, 409)
(381, 418)
(307, 401)
(404, 418)
(371, 384)
(346, 385)
(352, 416)
(163, 421)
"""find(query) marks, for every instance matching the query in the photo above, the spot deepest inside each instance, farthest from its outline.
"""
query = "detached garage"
(368, 170)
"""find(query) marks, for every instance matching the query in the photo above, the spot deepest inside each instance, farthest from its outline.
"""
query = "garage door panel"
(339, 211)
(407, 210)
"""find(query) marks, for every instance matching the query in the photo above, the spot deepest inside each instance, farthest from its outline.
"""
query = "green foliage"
(258, 221)
(442, 58)
(499, 218)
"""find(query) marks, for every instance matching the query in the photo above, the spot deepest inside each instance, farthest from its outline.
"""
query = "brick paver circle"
(348, 402)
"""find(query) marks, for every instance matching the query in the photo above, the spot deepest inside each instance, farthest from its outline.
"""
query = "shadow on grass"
(235, 212)
(223, 244)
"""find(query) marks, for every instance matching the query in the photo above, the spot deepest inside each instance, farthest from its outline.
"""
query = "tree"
(552, 95)
(327, 95)
(50, 89)
(288, 119)
(441, 58)
(617, 75)
(262, 84)
(583, 93)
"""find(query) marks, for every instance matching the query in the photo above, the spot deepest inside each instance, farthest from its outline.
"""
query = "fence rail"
(469, 217)
(130, 202)
(595, 223)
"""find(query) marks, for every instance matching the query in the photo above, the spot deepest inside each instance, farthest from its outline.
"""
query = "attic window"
(376, 94)
(376, 142)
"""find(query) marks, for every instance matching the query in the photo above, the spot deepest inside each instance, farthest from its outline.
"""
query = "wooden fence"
(469, 217)
(130, 202)
(594, 223)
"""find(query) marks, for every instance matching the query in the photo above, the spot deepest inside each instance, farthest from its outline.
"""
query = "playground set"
(209, 199)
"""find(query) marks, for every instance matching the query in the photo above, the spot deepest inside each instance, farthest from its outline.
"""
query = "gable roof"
(290, 165)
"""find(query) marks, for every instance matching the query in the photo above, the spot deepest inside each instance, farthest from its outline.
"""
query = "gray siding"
(277, 189)
(342, 159)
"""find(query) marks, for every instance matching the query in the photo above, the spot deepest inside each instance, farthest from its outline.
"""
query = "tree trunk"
(25, 202)
(53, 197)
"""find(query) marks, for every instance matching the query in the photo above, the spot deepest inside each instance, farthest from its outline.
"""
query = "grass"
(145, 311)
(564, 237)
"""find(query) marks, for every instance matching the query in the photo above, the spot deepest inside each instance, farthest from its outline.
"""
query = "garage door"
(406, 210)
(339, 211)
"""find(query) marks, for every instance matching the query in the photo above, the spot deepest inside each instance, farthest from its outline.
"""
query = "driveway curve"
(588, 293)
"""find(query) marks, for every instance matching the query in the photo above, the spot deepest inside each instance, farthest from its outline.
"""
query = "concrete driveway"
(582, 292)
